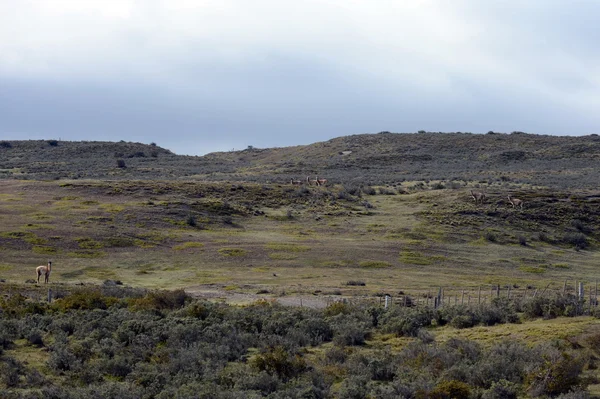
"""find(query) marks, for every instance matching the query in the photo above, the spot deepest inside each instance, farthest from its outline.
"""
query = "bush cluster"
(113, 343)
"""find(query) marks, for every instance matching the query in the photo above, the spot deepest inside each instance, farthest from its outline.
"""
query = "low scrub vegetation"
(112, 341)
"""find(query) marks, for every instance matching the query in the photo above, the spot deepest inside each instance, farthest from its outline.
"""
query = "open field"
(226, 228)
(286, 240)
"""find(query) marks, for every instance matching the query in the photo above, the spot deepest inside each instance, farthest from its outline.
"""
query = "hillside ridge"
(381, 158)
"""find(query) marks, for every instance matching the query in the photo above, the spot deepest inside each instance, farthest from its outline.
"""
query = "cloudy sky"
(197, 76)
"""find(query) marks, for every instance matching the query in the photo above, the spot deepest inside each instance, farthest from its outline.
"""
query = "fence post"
(386, 301)
(508, 294)
(479, 296)
(49, 295)
(462, 299)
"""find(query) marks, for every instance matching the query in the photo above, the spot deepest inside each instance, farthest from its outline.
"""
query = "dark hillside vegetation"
(376, 159)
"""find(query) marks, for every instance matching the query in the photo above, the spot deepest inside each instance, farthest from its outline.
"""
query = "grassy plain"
(310, 240)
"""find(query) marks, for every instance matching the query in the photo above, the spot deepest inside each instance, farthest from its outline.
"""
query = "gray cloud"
(199, 76)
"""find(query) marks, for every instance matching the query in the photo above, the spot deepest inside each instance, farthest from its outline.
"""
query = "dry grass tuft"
(235, 252)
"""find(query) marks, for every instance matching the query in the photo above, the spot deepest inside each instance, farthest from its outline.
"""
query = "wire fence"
(583, 294)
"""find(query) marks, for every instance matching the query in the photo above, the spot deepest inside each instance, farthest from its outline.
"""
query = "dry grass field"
(283, 240)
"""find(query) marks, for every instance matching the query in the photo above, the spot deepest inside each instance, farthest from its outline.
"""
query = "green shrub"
(10, 372)
(62, 358)
(580, 226)
(84, 299)
(349, 331)
(551, 307)
(501, 390)
(18, 305)
(161, 300)
(34, 337)
(277, 361)
(369, 190)
(490, 236)
(543, 237)
(337, 308)
(451, 390)
(406, 322)
(578, 240)
(6, 338)
(558, 373)
(462, 321)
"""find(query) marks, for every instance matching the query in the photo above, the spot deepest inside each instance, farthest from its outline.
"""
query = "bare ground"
(219, 293)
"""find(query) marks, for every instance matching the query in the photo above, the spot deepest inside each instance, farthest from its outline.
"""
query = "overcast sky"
(197, 76)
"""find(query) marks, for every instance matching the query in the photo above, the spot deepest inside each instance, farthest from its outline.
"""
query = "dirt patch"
(219, 293)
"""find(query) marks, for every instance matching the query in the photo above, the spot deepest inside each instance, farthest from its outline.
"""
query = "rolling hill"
(383, 158)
